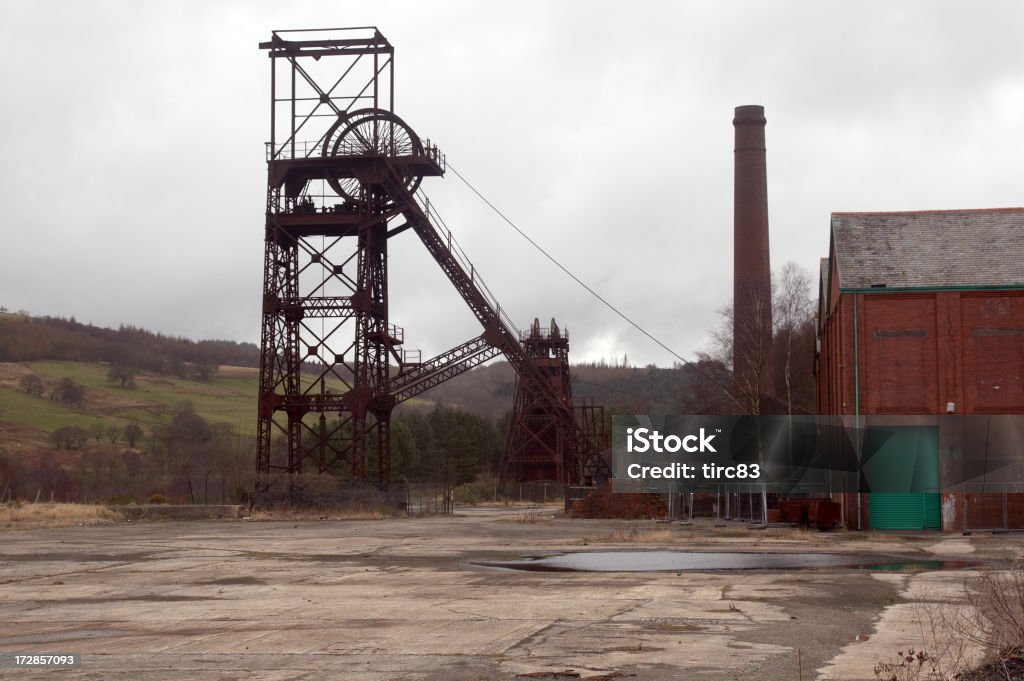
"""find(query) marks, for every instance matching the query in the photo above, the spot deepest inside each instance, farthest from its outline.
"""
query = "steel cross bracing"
(325, 295)
(325, 272)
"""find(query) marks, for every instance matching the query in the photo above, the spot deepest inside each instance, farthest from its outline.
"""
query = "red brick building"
(921, 350)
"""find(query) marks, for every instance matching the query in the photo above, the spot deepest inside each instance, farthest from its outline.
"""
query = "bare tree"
(757, 344)
(750, 345)
(123, 373)
(133, 463)
(96, 430)
(69, 392)
(707, 388)
(772, 359)
(69, 437)
(31, 384)
(752, 353)
(793, 311)
(204, 371)
(133, 432)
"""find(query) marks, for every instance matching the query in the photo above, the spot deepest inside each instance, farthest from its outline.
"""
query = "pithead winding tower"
(343, 179)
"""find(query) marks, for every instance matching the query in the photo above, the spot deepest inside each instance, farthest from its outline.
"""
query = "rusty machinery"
(343, 176)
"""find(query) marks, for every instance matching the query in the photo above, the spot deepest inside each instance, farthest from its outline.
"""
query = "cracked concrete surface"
(402, 599)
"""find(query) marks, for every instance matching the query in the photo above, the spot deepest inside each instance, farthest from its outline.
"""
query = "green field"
(151, 401)
(227, 398)
(40, 413)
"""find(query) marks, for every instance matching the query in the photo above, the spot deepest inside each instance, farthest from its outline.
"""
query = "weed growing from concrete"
(988, 627)
(20, 514)
(531, 516)
(338, 512)
(909, 665)
(633, 534)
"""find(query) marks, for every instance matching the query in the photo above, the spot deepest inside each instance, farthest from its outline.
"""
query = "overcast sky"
(134, 173)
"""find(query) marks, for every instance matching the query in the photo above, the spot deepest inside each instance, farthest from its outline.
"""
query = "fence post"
(1006, 519)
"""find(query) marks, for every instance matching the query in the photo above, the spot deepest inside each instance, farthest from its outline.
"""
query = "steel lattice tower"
(325, 294)
(343, 173)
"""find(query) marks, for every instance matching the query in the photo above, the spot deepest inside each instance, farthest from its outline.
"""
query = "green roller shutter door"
(899, 459)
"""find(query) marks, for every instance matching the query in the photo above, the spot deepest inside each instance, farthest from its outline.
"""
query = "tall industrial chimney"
(752, 277)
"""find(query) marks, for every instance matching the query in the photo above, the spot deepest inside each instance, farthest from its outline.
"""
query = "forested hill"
(486, 390)
(30, 339)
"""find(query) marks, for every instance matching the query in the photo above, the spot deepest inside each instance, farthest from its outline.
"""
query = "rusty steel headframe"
(343, 177)
(540, 444)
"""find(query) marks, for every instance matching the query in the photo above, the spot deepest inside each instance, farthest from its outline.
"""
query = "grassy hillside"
(196, 405)
(165, 377)
(229, 397)
(57, 348)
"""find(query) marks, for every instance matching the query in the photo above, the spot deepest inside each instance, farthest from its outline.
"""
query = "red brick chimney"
(752, 278)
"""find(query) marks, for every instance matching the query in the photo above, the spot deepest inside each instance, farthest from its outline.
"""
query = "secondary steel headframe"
(541, 444)
(341, 167)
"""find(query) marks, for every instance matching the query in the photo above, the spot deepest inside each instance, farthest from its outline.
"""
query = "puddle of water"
(679, 561)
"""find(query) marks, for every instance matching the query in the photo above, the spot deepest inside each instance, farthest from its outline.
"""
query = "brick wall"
(915, 353)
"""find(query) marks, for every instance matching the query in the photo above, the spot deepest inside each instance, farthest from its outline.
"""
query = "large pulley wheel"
(372, 134)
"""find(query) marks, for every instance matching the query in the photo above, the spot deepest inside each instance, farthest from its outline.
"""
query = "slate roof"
(946, 248)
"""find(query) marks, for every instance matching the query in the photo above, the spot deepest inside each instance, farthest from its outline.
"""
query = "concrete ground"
(405, 599)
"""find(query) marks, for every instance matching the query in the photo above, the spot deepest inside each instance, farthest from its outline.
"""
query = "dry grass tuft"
(883, 537)
(633, 534)
(353, 512)
(16, 514)
(980, 638)
(792, 533)
(531, 516)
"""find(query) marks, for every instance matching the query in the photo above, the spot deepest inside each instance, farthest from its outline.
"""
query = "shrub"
(908, 666)
(69, 437)
(987, 627)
